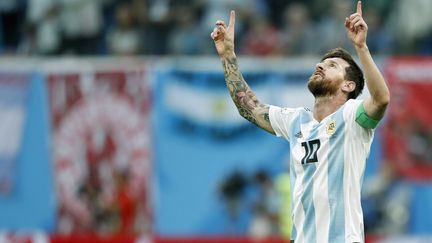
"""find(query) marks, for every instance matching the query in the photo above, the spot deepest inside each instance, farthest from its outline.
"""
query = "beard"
(319, 86)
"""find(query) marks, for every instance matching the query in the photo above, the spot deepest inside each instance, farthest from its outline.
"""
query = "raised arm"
(245, 100)
(356, 28)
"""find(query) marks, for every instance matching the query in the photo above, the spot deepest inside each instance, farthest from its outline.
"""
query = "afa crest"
(331, 127)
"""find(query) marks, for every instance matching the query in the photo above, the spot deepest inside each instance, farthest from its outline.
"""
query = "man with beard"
(329, 145)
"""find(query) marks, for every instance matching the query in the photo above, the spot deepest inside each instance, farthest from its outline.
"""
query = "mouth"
(320, 73)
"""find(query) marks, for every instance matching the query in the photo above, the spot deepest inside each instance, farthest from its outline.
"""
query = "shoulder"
(353, 103)
(288, 112)
(282, 118)
(351, 116)
(350, 107)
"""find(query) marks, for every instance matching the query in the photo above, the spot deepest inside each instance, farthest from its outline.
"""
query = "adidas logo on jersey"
(299, 135)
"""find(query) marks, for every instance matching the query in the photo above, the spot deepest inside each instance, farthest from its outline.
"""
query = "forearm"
(245, 100)
(376, 105)
(374, 80)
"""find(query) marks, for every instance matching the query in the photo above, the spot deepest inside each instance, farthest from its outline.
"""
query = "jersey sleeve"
(364, 119)
(350, 116)
(280, 120)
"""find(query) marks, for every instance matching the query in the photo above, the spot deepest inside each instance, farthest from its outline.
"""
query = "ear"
(348, 86)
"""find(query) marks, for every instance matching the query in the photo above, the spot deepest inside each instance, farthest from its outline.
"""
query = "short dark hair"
(353, 71)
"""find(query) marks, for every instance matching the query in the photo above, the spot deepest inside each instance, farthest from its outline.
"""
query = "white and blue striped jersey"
(327, 163)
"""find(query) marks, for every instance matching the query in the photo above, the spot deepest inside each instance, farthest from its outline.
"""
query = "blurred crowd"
(182, 27)
(265, 197)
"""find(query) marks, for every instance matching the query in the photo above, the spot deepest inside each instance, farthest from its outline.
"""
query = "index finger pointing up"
(359, 8)
(232, 20)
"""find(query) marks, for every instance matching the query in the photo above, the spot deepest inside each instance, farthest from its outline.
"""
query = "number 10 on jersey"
(311, 149)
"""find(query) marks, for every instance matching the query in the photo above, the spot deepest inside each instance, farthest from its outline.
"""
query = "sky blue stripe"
(305, 117)
(295, 126)
(307, 201)
(293, 177)
(335, 180)
(309, 229)
(293, 232)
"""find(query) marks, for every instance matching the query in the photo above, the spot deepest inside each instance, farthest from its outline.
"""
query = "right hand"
(223, 37)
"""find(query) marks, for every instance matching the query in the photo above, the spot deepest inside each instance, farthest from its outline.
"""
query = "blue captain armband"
(364, 120)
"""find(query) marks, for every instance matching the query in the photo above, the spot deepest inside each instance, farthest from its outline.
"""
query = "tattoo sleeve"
(245, 100)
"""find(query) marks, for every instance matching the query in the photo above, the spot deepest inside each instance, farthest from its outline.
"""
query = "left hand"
(356, 27)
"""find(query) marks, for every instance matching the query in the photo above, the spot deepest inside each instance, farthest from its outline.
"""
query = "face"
(328, 77)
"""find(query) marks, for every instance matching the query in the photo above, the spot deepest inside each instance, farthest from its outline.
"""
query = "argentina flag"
(200, 138)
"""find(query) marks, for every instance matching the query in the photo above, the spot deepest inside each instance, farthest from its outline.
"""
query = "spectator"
(81, 26)
(298, 34)
(124, 38)
(283, 187)
(330, 29)
(266, 208)
(262, 39)
(386, 200)
(276, 10)
(185, 39)
(141, 15)
(380, 40)
(11, 15)
(28, 43)
(125, 203)
(159, 21)
(247, 11)
(410, 21)
(41, 33)
(426, 44)
(232, 190)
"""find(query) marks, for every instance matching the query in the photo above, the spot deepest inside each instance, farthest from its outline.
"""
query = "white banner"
(13, 107)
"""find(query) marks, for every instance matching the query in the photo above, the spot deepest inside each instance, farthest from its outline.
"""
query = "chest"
(311, 141)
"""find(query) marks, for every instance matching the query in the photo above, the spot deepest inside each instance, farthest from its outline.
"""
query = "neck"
(326, 105)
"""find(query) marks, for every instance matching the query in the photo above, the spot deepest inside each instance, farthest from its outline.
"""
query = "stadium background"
(116, 125)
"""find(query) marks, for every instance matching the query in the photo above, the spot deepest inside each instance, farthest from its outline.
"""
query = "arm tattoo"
(266, 117)
(245, 100)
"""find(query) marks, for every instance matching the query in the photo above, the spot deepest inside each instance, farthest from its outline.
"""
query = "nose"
(319, 66)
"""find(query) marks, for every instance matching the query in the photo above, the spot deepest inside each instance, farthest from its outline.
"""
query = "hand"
(224, 37)
(356, 27)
